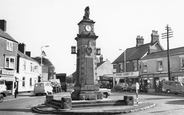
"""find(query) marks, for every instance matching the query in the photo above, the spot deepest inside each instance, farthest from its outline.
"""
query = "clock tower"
(86, 82)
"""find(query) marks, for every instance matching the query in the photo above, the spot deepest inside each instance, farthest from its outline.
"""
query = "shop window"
(9, 45)
(9, 62)
(160, 66)
(182, 63)
(23, 81)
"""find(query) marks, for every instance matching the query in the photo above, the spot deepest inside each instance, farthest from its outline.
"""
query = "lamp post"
(42, 59)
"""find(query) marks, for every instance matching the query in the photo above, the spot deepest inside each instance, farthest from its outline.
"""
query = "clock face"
(88, 28)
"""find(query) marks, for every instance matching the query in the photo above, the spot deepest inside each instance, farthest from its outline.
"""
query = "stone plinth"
(129, 100)
(66, 103)
(49, 98)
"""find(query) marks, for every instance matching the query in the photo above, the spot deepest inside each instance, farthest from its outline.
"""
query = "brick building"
(127, 65)
(8, 56)
(154, 68)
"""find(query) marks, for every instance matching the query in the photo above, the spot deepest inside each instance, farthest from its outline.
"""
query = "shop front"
(127, 77)
(153, 82)
(8, 76)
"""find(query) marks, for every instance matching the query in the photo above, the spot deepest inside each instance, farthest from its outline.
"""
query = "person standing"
(16, 89)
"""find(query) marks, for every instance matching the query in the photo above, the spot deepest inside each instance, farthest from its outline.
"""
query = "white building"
(28, 70)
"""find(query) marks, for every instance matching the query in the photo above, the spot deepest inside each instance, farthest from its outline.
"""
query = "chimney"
(101, 58)
(154, 37)
(28, 53)
(21, 47)
(139, 40)
(3, 25)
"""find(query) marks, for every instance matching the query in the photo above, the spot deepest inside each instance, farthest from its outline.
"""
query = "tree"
(48, 63)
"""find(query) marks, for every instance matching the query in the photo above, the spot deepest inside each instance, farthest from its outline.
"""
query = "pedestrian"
(16, 89)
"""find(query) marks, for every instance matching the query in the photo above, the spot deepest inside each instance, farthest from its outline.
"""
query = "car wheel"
(168, 91)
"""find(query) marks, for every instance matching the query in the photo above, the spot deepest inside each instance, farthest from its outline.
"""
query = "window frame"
(159, 65)
(9, 45)
(182, 62)
(135, 65)
(23, 81)
(121, 67)
(145, 67)
(30, 82)
(24, 65)
(9, 65)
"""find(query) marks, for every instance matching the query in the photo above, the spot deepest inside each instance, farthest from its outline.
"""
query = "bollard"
(99, 95)
(129, 100)
(66, 103)
(49, 98)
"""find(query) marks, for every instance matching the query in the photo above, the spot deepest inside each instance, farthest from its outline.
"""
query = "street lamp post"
(42, 59)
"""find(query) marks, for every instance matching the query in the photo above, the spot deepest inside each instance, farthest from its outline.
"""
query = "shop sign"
(102, 78)
(176, 74)
(127, 74)
(173, 74)
(7, 72)
(147, 75)
(161, 75)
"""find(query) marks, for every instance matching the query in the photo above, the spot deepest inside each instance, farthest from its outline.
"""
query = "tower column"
(86, 83)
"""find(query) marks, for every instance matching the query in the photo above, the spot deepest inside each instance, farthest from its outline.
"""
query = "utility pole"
(168, 35)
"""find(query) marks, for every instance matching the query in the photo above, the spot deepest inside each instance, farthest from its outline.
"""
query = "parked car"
(3, 90)
(175, 87)
(43, 88)
(132, 87)
(106, 92)
(122, 87)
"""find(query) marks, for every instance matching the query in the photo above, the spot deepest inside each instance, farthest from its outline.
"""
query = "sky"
(37, 23)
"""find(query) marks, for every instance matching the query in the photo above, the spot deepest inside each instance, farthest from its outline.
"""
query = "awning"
(7, 77)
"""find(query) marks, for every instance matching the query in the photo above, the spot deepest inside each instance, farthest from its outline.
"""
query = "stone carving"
(86, 13)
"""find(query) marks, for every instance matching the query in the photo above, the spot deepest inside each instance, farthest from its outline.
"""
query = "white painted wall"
(31, 75)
